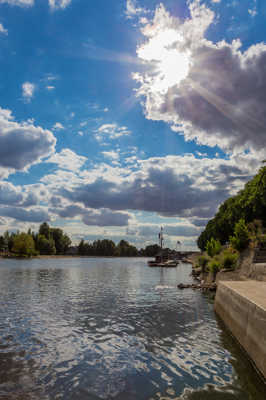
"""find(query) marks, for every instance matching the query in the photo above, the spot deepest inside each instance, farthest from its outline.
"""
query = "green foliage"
(23, 245)
(229, 259)
(214, 266)
(45, 246)
(240, 240)
(213, 247)
(124, 249)
(249, 204)
(44, 230)
(107, 248)
(202, 262)
(61, 240)
(151, 250)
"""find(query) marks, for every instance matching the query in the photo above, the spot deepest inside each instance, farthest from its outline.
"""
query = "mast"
(161, 238)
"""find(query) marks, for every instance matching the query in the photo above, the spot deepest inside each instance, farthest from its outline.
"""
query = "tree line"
(54, 241)
(47, 241)
(248, 205)
(107, 247)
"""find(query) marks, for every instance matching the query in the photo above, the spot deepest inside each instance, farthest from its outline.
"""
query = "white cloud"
(182, 186)
(22, 144)
(113, 155)
(212, 93)
(57, 4)
(67, 159)
(53, 4)
(132, 9)
(21, 3)
(112, 131)
(58, 126)
(28, 89)
(253, 11)
(3, 30)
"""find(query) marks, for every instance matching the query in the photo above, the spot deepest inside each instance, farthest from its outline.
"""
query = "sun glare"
(170, 63)
(173, 69)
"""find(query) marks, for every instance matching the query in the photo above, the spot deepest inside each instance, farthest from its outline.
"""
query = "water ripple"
(110, 328)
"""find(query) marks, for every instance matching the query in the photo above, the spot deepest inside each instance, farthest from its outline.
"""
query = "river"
(107, 328)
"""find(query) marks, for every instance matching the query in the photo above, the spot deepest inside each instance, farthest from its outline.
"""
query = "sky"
(118, 117)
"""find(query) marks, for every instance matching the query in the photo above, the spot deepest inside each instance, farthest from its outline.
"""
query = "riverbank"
(242, 307)
(240, 302)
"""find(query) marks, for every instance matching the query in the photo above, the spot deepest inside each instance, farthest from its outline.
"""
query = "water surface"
(86, 328)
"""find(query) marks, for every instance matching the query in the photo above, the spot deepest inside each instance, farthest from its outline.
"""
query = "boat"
(162, 259)
(165, 264)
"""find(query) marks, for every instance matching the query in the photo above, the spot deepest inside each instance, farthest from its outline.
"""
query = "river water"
(93, 329)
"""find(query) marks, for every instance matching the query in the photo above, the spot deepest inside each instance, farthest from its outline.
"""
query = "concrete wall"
(242, 307)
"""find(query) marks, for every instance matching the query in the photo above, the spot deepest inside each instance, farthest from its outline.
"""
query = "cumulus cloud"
(213, 93)
(57, 4)
(112, 131)
(181, 186)
(22, 144)
(3, 30)
(22, 214)
(67, 159)
(106, 217)
(101, 217)
(9, 194)
(21, 196)
(28, 89)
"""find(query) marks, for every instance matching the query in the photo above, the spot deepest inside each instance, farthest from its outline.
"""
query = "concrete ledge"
(242, 307)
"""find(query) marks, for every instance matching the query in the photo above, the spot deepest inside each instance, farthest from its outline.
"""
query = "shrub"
(202, 262)
(229, 259)
(240, 240)
(214, 266)
(213, 247)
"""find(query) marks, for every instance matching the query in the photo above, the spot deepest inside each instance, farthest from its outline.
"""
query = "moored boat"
(162, 259)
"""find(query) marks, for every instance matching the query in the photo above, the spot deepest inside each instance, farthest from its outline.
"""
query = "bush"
(202, 262)
(213, 247)
(229, 259)
(240, 240)
(214, 266)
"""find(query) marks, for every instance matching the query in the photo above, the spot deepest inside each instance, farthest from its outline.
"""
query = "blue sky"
(120, 116)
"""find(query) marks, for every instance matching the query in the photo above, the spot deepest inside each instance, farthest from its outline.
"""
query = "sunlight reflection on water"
(113, 328)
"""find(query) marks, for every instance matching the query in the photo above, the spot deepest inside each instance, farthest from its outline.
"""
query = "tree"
(249, 204)
(151, 250)
(44, 230)
(213, 247)
(23, 245)
(240, 240)
(61, 240)
(124, 249)
(45, 246)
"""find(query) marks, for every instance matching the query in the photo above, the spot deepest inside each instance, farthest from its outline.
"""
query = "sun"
(173, 68)
(169, 63)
